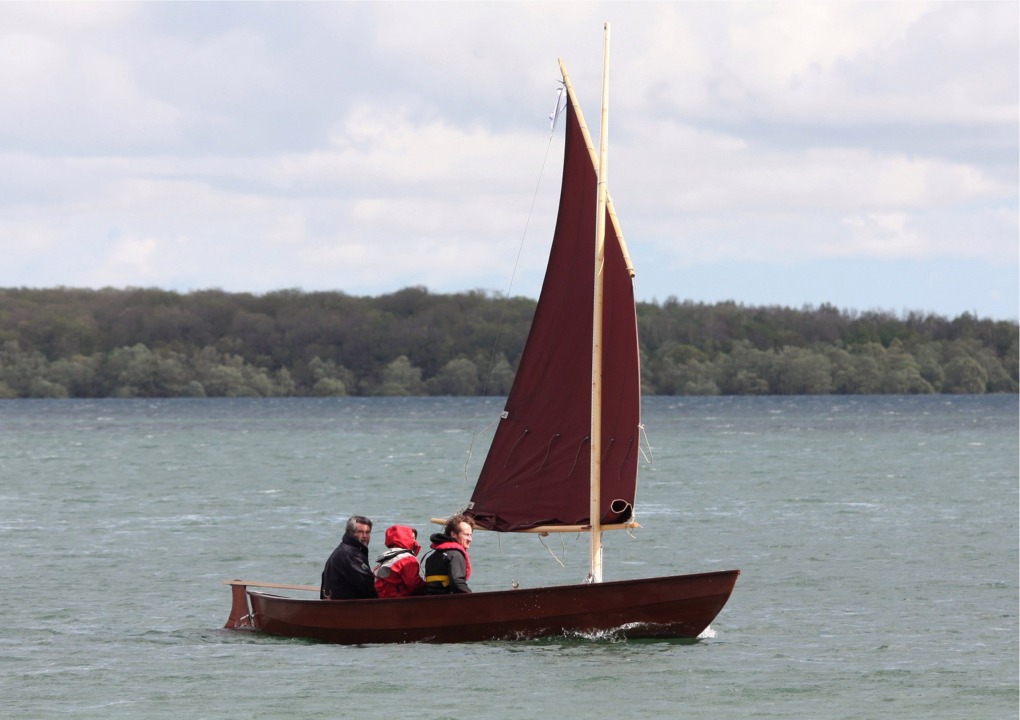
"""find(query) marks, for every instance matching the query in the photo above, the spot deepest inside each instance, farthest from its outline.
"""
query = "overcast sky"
(859, 154)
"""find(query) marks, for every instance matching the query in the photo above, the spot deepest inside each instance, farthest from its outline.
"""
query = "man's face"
(463, 535)
(363, 533)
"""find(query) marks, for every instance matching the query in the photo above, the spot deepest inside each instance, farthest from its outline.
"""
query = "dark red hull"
(681, 606)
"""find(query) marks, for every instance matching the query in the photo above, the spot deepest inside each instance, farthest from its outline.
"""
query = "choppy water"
(877, 539)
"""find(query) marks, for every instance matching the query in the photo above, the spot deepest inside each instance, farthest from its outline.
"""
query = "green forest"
(144, 342)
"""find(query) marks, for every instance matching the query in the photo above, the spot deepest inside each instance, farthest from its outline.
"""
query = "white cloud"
(130, 257)
(882, 235)
(74, 100)
(838, 63)
(695, 171)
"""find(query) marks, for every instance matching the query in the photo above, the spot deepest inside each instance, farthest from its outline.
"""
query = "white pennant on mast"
(561, 105)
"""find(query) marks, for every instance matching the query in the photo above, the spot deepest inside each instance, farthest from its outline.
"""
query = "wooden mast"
(597, 320)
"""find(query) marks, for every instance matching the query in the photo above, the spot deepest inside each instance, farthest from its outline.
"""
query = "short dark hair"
(354, 520)
(454, 523)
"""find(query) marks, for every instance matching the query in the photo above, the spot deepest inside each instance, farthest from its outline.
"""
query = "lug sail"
(536, 474)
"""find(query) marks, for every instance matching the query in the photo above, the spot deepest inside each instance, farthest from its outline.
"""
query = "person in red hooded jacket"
(398, 574)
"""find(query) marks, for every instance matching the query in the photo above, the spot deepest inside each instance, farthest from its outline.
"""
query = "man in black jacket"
(347, 575)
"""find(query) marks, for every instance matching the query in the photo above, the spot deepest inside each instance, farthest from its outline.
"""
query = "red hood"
(401, 536)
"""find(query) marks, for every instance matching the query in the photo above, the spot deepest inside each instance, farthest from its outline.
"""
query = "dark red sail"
(537, 469)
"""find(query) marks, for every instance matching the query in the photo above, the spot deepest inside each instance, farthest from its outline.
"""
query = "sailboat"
(564, 458)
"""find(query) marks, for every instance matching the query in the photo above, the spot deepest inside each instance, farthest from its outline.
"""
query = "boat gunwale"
(606, 587)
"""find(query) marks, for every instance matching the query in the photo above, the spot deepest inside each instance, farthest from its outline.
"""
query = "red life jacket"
(444, 578)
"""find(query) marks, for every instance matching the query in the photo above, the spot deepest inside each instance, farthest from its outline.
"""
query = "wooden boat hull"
(680, 606)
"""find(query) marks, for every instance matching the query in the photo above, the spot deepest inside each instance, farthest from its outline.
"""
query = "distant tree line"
(62, 342)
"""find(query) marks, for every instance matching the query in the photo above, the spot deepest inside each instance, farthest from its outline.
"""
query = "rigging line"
(550, 550)
(470, 450)
(517, 260)
(506, 297)
(647, 444)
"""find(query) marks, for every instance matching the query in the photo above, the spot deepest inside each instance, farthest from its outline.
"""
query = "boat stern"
(240, 612)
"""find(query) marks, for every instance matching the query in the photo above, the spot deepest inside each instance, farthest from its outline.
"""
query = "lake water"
(877, 539)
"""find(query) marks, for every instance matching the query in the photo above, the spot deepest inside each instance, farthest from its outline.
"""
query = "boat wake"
(623, 633)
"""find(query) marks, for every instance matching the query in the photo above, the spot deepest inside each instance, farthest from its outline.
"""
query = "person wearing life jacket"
(398, 574)
(448, 567)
